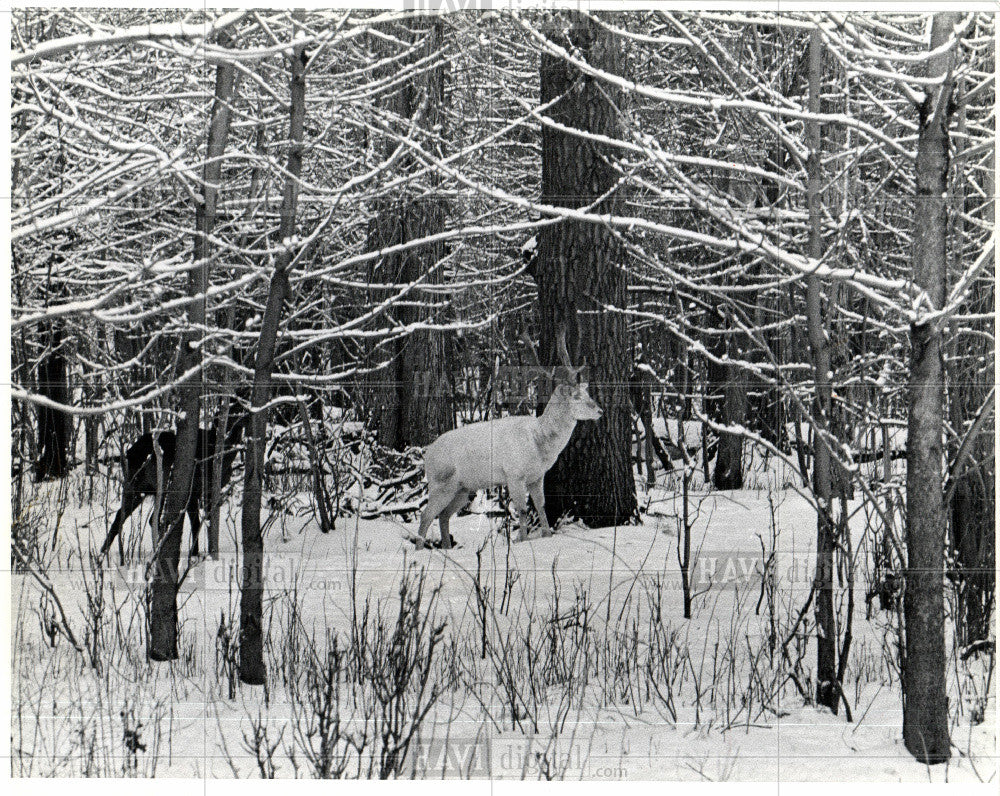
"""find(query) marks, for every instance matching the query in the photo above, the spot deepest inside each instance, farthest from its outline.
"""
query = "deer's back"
(141, 451)
(483, 454)
(140, 460)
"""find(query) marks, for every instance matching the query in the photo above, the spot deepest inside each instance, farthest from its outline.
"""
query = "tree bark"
(54, 426)
(165, 571)
(252, 669)
(231, 321)
(729, 458)
(925, 704)
(579, 270)
(725, 402)
(827, 693)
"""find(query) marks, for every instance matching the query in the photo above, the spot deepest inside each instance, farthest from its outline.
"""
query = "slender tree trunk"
(925, 705)
(252, 669)
(579, 270)
(215, 495)
(218, 454)
(826, 626)
(316, 464)
(165, 571)
(684, 543)
(231, 320)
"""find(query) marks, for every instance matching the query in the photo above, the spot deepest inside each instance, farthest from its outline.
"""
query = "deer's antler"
(573, 372)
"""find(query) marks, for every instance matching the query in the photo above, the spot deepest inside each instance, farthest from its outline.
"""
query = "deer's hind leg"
(439, 497)
(195, 519)
(130, 502)
(444, 517)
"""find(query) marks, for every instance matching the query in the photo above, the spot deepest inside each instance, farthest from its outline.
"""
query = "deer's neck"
(555, 427)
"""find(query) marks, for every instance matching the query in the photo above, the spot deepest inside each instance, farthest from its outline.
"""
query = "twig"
(49, 589)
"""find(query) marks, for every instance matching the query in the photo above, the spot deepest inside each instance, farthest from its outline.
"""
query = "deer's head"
(571, 388)
(581, 405)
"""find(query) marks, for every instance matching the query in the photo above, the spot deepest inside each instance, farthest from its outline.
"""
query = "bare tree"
(826, 627)
(925, 704)
(412, 395)
(579, 271)
(252, 668)
(167, 549)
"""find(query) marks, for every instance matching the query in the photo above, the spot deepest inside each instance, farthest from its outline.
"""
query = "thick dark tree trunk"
(925, 704)
(252, 669)
(827, 692)
(729, 459)
(165, 571)
(764, 406)
(412, 398)
(54, 426)
(579, 269)
(725, 403)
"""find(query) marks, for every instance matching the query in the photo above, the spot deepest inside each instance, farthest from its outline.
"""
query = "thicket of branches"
(766, 171)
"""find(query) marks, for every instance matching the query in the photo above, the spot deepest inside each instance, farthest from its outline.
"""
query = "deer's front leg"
(538, 498)
(519, 497)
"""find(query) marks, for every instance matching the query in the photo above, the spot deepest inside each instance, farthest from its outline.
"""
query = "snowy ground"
(565, 657)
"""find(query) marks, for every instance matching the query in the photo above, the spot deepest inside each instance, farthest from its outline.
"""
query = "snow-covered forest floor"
(566, 657)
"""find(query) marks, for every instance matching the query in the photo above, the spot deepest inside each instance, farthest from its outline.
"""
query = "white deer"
(516, 451)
